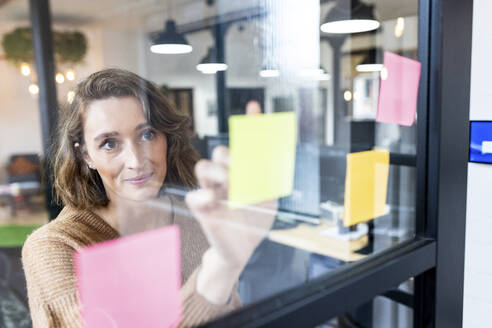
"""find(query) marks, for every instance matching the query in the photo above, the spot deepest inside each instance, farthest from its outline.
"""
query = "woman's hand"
(233, 234)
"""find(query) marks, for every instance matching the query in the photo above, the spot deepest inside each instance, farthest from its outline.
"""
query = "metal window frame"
(42, 41)
(435, 257)
(447, 25)
(341, 290)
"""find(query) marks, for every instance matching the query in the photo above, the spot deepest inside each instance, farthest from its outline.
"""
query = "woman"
(120, 143)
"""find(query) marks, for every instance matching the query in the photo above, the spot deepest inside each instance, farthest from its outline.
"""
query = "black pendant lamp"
(269, 71)
(348, 17)
(170, 41)
(209, 64)
(372, 62)
(319, 74)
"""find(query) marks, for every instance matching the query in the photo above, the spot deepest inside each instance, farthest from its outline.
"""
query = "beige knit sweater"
(48, 265)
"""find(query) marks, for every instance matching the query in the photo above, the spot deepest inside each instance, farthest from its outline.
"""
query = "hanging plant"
(17, 46)
(68, 47)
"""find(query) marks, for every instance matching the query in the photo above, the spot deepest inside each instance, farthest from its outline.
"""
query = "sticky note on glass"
(399, 90)
(262, 157)
(132, 282)
(366, 185)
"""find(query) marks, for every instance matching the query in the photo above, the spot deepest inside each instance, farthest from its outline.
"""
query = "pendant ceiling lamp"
(268, 71)
(371, 63)
(369, 68)
(210, 64)
(318, 74)
(348, 17)
(170, 41)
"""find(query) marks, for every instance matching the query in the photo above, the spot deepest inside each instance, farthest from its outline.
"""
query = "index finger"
(220, 155)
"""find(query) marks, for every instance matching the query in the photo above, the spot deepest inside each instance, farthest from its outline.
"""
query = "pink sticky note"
(132, 282)
(399, 88)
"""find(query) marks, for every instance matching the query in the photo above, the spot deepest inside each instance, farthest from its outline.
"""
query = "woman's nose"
(134, 157)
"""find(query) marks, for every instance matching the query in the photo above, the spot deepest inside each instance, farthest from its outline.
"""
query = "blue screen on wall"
(481, 142)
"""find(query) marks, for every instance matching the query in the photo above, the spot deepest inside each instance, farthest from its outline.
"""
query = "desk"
(10, 191)
(310, 238)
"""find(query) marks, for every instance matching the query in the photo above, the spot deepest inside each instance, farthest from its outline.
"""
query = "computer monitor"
(333, 166)
(481, 142)
(305, 197)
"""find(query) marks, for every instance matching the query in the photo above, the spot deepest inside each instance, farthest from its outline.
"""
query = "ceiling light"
(323, 77)
(315, 73)
(59, 78)
(372, 62)
(33, 89)
(347, 95)
(209, 64)
(269, 72)
(350, 26)
(211, 68)
(311, 72)
(70, 96)
(25, 69)
(170, 41)
(363, 68)
(344, 20)
(70, 75)
(399, 27)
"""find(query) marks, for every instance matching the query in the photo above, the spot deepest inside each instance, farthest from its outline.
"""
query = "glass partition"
(279, 136)
(22, 192)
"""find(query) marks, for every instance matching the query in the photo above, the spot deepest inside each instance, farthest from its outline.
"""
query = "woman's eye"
(109, 145)
(148, 135)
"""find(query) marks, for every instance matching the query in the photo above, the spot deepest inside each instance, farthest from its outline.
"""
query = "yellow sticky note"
(366, 185)
(262, 154)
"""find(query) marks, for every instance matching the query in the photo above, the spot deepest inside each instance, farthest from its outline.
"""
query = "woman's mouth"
(139, 180)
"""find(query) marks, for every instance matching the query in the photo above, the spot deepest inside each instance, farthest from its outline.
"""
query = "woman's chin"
(142, 195)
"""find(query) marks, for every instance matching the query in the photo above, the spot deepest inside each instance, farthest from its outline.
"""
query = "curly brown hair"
(78, 186)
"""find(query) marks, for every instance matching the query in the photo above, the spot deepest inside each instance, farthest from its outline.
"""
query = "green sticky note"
(262, 155)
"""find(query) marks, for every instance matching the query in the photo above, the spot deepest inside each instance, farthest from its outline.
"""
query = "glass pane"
(391, 309)
(317, 129)
(22, 193)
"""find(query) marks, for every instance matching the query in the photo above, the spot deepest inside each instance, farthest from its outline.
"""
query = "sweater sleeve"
(198, 310)
(50, 281)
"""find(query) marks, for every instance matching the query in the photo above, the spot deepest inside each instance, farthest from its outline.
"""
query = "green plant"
(17, 45)
(69, 47)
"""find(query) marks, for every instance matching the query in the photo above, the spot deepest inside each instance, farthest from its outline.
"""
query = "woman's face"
(128, 154)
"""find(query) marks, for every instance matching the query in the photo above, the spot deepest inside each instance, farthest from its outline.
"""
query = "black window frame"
(435, 256)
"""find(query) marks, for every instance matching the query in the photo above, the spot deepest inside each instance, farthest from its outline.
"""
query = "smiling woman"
(103, 119)
(120, 143)
(127, 152)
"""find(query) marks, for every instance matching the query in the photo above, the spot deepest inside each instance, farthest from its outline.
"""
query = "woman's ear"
(85, 156)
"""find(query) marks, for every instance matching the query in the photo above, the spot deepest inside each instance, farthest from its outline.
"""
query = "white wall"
(20, 130)
(477, 308)
(20, 126)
